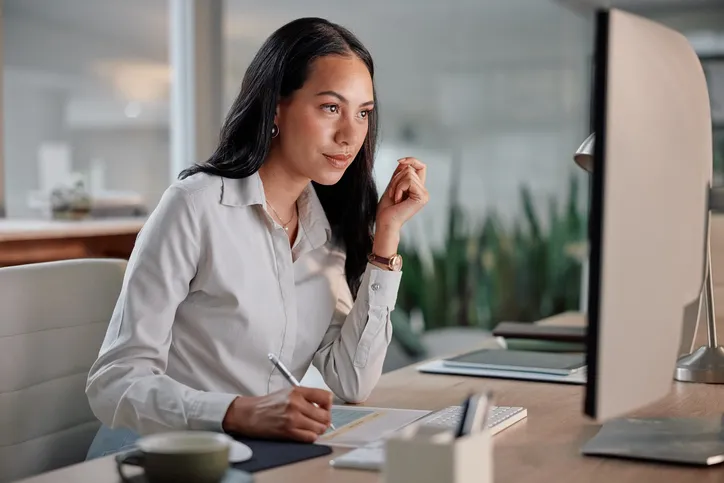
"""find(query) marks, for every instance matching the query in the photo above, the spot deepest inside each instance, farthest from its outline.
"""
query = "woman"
(277, 244)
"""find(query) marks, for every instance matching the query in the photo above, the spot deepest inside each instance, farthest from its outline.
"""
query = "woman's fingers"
(415, 191)
(306, 423)
(417, 165)
(405, 182)
(402, 187)
(400, 178)
(403, 165)
(399, 169)
(304, 436)
(396, 177)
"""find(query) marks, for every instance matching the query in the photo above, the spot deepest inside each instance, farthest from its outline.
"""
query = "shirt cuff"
(208, 410)
(381, 286)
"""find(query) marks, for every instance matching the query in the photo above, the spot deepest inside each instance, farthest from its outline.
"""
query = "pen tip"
(270, 356)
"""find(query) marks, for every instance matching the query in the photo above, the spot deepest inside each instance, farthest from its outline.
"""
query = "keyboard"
(372, 456)
(501, 417)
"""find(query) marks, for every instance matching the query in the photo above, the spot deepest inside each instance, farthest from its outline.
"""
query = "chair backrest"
(53, 317)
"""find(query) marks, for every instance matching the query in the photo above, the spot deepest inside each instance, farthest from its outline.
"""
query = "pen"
(460, 431)
(486, 404)
(289, 377)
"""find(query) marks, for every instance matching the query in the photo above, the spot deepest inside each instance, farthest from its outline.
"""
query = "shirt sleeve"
(353, 349)
(127, 386)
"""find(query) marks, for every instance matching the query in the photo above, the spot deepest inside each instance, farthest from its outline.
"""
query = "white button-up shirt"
(211, 288)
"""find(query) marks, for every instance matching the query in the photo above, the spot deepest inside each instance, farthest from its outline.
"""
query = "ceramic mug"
(179, 457)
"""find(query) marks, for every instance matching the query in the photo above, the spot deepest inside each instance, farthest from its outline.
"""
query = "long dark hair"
(279, 68)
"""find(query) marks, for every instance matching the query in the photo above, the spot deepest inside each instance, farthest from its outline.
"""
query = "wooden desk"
(32, 241)
(542, 448)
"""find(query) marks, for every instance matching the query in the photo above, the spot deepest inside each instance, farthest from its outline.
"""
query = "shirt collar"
(242, 191)
(249, 191)
(313, 218)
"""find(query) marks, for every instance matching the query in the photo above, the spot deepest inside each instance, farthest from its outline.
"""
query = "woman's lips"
(339, 161)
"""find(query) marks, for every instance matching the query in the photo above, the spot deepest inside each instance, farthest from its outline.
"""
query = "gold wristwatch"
(394, 263)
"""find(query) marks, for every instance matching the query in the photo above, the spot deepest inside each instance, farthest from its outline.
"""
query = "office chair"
(54, 318)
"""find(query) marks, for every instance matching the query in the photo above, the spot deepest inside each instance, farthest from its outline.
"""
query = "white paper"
(375, 424)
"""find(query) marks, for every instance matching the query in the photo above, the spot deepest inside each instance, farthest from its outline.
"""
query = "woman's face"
(323, 124)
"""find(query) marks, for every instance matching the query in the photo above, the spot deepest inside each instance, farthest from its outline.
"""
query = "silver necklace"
(284, 225)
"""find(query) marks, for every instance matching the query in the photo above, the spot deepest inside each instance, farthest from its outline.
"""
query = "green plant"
(485, 275)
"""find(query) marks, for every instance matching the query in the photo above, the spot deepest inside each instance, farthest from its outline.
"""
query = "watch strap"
(387, 262)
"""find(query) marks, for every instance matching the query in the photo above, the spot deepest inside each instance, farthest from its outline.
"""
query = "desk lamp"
(705, 364)
(584, 154)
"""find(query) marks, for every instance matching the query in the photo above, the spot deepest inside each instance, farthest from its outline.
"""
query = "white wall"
(32, 41)
(56, 88)
(690, 21)
(135, 159)
(31, 116)
(509, 95)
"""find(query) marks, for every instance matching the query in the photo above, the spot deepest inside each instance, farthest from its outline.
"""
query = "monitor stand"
(673, 440)
(684, 441)
(705, 364)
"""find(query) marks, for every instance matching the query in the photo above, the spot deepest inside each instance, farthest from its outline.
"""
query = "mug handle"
(132, 457)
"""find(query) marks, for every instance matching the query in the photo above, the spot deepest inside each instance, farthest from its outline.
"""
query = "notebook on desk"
(524, 330)
(520, 361)
(438, 367)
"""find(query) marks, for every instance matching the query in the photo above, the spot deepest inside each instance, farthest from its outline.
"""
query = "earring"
(275, 131)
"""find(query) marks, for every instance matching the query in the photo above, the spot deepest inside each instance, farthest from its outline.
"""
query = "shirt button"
(375, 287)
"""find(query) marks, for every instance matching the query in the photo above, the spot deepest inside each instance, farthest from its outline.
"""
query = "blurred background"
(493, 95)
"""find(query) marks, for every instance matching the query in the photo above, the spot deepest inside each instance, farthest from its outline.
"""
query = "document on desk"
(358, 425)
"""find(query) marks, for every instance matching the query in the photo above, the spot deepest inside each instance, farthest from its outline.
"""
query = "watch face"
(396, 262)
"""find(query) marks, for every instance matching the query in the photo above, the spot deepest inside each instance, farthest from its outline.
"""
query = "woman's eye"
(331, 107)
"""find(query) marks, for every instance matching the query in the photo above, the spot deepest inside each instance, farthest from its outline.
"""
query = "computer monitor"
(652, 170)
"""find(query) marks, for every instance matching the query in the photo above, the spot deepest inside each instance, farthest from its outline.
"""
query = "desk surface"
(542, 448)
(30, 229)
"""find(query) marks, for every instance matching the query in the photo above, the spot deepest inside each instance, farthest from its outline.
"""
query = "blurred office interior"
(494, 95)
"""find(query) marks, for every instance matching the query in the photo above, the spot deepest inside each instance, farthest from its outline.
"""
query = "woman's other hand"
(405, 195)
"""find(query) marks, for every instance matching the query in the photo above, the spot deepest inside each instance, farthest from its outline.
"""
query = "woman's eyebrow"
(342, 98)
